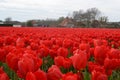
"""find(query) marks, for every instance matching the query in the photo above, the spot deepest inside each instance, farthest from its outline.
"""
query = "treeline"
(91, 17)
(45, 23)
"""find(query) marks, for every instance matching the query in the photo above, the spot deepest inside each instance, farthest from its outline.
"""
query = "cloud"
(30, 9)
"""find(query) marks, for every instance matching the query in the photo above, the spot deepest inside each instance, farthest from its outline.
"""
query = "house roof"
(67, 21)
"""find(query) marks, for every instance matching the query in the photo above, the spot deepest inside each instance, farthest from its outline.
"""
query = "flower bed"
(59, 54)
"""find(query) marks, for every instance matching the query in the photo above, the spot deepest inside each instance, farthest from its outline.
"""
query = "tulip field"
(59, 54)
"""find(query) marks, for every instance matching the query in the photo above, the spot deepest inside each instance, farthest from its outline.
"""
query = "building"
(67, 22)
(16, 24)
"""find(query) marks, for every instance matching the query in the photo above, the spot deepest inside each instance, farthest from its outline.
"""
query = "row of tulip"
(59, 54)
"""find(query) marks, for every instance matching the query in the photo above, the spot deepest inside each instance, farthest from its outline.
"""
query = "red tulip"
(3, 75)
(55, 47)
(96, 75)
(52, 53)
(43, 51)
(47, 43)
(63, 62)
(67, 43)
(114, 53)
(62, 52)
(54, 73)
(78, 51)
(67, 63)
(28, 63)
(79, 60)
(84, 47)
(20, 42)
(38, 75)
(12, 60)
(97, 42)
(3, 55)
(93, 66)
(59, 61)
(30, 76)
(34, 46)
(59, 41)
(71, 76)
(8, 40)
(100, 53)
(115, 64)
(105, 42)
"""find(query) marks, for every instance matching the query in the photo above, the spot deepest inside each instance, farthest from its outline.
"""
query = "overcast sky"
(23, 10)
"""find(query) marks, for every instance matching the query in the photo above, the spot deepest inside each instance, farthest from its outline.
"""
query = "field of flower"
(59, 54)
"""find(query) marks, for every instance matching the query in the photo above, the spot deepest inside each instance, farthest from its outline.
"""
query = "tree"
(95, 23)
(87, 17)
(93, 13)
(78, 15)
(103, 19)
(60, 19)
(8, 20)
(29, 23)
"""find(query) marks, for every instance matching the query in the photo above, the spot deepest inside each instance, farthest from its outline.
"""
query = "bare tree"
(78, 15)
(103, 19)
(8, 20)
(87, 16)
(93, 14)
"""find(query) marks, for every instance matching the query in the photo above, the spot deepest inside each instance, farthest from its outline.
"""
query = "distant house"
(2, 24)
(16, 24)
(11, 24)
(67, 22)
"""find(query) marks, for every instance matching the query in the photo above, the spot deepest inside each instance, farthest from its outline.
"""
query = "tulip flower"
(70, 76)
(38, 75)
(3, 75)
(54, 73)
(28, 63)
(79, 60)
(96, 75)
(100, 54)
(63, 62)
(62, 52)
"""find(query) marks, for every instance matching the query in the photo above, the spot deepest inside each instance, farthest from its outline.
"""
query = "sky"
(23, 10)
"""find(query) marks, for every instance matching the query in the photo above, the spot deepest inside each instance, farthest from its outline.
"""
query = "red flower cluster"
(59, 54)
